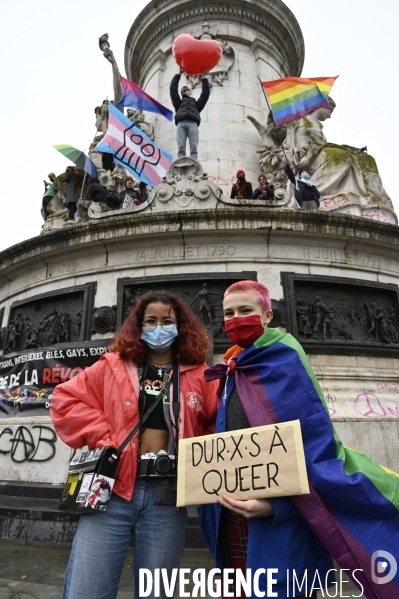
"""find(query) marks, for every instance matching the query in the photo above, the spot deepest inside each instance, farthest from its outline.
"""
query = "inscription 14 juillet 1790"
(184, 252)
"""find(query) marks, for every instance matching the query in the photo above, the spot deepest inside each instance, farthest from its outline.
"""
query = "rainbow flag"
(291, 98)
(135, 97)
(132, 149)
(353, 506)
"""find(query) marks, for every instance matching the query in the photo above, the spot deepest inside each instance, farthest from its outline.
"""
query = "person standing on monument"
(187, 117)
(73, 180)
(102, 405)
(306, 194)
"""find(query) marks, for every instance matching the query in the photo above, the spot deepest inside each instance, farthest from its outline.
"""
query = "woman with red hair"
(102, 405)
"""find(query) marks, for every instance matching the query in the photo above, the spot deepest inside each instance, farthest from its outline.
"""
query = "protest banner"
(266, 461)
(28, 378)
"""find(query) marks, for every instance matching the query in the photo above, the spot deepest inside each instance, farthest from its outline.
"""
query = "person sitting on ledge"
(138, 196)
(187, 117)
(263, 191)
(306, 194)
(98, 193)
(242, 189)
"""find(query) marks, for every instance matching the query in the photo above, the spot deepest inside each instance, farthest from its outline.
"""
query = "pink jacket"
(102, 402)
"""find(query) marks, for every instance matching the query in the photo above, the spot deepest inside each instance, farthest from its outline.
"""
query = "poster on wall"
(28, 378)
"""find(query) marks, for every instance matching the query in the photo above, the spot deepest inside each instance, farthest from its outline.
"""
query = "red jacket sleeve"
(77, 409)
(211, 396)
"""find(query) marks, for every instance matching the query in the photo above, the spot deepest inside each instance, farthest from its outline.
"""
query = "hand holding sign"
(250, 508)
(254, 463)
(195, 57)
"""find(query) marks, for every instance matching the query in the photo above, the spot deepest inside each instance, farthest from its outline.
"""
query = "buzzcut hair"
(260, 291)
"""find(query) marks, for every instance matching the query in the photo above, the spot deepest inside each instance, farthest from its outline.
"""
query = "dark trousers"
(46, 202)
(71, 209)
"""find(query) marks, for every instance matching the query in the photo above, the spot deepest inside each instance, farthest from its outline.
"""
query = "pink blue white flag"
(135, 97)
(132, 149)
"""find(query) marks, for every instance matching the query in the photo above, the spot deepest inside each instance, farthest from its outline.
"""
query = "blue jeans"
(187, 129)
(102, 541)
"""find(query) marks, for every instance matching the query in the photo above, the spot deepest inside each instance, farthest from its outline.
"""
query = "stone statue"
(341, 173)
(118, 178)
(138, 118)
(109, 55)
(101, 113)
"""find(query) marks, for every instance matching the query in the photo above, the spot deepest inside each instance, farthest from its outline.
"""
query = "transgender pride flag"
(132, 149)
(135, 97)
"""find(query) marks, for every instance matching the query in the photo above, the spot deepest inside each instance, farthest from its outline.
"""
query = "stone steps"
(29, 513)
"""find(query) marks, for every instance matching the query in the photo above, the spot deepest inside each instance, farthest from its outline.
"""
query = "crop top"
(153, 385)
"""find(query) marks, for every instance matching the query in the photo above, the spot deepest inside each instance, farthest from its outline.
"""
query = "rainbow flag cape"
(291, 98)
(135, 97)
(353, 506)
(132, 149)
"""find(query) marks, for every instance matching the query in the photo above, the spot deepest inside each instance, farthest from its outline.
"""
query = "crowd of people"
(187, 120)
(306, 194)
(71, 184)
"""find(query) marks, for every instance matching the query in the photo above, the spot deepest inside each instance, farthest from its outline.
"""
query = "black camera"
(157, 464)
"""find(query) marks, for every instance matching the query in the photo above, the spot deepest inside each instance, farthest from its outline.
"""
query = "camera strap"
(142, 419)
(176, 398)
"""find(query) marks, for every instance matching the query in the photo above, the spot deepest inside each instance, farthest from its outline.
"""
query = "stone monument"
(333, 274)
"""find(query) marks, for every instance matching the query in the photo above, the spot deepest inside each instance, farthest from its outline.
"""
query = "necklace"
(158, 369)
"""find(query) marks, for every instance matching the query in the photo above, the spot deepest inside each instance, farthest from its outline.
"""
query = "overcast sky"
(53, 75)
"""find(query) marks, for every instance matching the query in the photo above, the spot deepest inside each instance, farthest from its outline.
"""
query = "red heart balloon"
(196, 57)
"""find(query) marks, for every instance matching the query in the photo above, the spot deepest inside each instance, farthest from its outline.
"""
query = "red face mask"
(244, 330)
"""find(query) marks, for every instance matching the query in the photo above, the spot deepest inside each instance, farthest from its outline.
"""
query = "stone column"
(266, 43)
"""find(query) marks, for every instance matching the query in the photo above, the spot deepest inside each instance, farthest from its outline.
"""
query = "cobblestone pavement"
(29, 572)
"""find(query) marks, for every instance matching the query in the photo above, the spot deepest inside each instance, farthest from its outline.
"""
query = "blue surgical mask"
(305, 176)
(161, 338)
(187, 93)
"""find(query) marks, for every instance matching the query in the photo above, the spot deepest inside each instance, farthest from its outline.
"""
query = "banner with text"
(28, 379)
(266, 461)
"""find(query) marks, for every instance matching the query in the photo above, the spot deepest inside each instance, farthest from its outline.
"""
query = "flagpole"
(274, 122)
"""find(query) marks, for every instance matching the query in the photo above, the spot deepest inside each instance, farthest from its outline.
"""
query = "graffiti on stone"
(23, 444)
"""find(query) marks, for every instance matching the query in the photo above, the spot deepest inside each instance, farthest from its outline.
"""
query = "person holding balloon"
(187, 117)
(195, 57)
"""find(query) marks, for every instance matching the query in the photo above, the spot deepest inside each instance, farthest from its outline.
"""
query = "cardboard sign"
(266, 461)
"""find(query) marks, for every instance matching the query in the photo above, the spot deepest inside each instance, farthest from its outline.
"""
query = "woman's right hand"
(107, 439)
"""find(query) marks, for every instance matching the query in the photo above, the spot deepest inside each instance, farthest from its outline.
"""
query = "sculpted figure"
(204, 306)
(371, 319)
(138, 118)
(321, 312)
(336, 170)
(109, 55)
(32, 339)
(12, 337)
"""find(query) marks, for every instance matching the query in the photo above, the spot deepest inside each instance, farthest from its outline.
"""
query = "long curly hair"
(190, 346)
